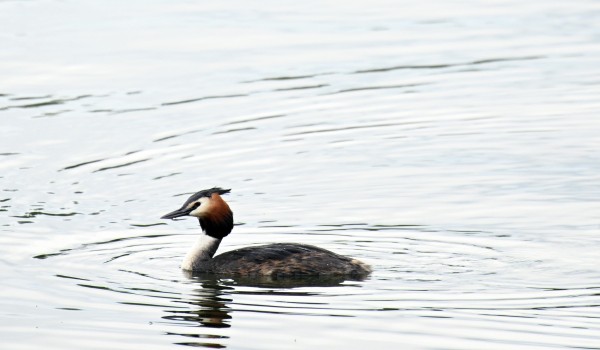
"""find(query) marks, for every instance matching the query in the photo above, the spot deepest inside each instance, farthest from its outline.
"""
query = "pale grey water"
(452, 145)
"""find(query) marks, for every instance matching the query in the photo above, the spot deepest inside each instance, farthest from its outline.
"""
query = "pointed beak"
(177, 213)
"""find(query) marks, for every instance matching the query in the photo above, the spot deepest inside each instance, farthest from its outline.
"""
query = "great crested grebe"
(278, 259)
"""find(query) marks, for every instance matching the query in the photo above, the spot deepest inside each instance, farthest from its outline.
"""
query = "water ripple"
(450, 65)
(201, 99)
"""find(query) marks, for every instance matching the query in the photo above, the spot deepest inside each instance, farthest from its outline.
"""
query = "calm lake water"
(452, 145)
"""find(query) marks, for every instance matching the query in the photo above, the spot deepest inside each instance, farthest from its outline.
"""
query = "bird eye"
(196, 205)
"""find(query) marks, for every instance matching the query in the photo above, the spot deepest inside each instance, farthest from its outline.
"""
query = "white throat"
(203, 250)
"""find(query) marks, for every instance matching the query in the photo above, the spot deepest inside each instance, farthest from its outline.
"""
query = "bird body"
(277, 260)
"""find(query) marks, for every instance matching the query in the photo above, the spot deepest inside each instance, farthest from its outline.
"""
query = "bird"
(274, 260)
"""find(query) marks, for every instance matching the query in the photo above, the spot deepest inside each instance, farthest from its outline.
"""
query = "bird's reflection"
(210, 302)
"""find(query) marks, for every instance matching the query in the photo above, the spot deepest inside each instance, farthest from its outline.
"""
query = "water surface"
(451, 145)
